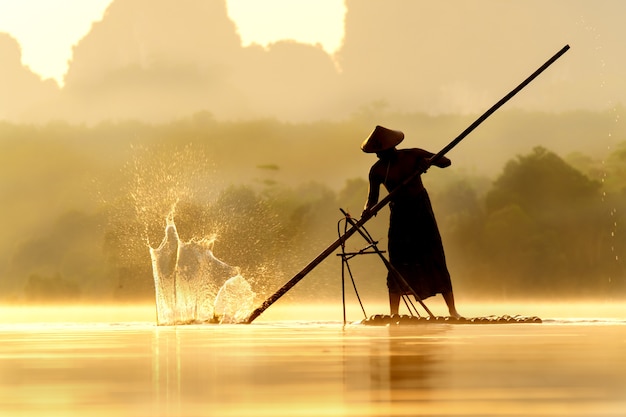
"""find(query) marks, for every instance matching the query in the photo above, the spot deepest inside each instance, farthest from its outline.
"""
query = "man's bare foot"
(455, 314)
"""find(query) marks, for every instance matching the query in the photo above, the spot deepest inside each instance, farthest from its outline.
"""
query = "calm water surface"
(112, 367)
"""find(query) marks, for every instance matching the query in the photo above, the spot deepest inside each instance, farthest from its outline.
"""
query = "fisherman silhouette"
(414, 243)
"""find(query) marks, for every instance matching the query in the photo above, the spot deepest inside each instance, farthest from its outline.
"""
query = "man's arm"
(443, 162)
(373, 192)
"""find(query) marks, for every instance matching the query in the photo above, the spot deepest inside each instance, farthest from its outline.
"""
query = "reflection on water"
(280, 368)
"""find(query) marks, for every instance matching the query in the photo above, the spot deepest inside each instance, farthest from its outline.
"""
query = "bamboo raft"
(402, 320)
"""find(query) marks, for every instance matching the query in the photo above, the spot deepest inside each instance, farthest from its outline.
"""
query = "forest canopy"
(82, 205)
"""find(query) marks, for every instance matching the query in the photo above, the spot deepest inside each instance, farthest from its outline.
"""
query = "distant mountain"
(157, 60)
(22, 92)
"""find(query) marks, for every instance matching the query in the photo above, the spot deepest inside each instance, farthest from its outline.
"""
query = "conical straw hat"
(382, 139)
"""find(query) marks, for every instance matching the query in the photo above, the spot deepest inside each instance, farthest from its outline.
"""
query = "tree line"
(82, 205)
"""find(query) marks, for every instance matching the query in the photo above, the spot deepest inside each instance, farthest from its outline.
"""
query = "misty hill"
(156, 61)
(153, 60)
(23, 91)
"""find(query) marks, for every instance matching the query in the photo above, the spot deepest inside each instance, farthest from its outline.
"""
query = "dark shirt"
(393, 167)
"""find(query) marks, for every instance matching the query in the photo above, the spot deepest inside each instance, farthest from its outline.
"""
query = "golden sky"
(453, 56)
(47, 29)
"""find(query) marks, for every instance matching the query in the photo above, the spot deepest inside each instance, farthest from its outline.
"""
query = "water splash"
(187, 275)
(234, 301)
(193, 286)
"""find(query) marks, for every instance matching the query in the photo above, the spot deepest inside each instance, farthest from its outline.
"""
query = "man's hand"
(365, 211)
(423, 165)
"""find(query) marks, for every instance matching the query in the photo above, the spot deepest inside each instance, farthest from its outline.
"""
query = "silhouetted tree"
(543, 225)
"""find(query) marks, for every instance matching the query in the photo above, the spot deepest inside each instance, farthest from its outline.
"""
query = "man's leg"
(449, 298)
(394, 303)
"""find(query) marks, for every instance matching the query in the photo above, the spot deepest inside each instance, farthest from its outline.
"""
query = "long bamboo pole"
(382, 203)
